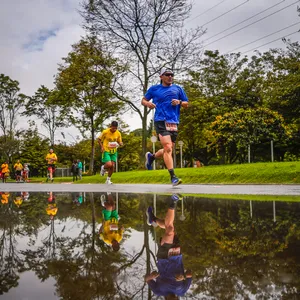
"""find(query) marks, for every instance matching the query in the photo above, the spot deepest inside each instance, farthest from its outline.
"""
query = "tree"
(41, 106)
(233, 132)
(11, 101)
(83, 83)
(148, 35)
(283, 77)
(33, 150)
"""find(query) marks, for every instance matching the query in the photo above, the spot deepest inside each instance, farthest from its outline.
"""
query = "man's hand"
(179, 277)
(151, 105)
(151, 276)
(175, 102)
(188, 273)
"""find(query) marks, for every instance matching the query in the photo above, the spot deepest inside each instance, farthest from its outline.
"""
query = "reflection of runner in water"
(171, 280)
(18, 200)
(5, 197)
(110, 232)
(25, 196)
(51, 209)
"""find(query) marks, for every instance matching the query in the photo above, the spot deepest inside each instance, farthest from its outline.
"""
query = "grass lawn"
(254, 173)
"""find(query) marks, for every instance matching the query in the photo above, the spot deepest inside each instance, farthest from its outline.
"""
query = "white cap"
(165, 70)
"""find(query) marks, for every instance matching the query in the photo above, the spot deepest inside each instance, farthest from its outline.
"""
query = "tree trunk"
(91, 168)
(144, 127)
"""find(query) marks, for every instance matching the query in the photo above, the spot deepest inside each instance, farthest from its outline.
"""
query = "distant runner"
(109, 141)
(51, 159)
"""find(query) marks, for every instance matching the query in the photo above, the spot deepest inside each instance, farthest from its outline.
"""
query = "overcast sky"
(36, 34)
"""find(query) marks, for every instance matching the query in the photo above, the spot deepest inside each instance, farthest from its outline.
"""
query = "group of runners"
(21, 171)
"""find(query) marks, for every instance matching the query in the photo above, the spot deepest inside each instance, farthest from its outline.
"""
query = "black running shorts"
(160, 129)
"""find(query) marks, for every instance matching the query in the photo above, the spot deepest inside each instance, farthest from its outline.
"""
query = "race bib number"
(171, 126)
(174, 251)
(113, 227)
(113, 144)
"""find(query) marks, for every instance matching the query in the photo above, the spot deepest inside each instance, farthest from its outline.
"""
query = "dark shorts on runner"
(160, 128)
(163, 250)
(18, 173)
(51, 167)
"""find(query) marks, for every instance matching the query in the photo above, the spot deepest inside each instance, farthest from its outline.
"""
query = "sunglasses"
(169, 74)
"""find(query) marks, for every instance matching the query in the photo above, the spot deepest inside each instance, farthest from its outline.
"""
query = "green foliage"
(233, 132)
(33, 150)
(129, 154)
(283, 76)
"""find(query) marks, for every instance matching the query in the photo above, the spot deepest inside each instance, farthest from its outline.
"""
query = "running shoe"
(150, 217)
(108, 181)
(176, 197)
(102, 171)
(149, 160)
(176, 181)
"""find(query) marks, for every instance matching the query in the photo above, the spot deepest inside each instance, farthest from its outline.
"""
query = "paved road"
(293, 190)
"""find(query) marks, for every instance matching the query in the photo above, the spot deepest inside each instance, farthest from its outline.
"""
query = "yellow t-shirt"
(4, 168)
(110, 232)
(109, 138)
(18, 166)
(51, 158)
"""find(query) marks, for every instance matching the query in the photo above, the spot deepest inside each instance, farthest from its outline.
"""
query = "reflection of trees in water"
(238, 256)
(231, 255)
(10, 262)
(84, 267)
(50, 241)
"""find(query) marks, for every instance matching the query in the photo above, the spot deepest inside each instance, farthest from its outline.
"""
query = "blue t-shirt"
(162, 96)
(166, 283)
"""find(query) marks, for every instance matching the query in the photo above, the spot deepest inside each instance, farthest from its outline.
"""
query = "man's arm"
(100, 142)
(119, 140)
(147, 103)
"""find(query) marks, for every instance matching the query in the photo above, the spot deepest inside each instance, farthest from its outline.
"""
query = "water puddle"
(99, 246)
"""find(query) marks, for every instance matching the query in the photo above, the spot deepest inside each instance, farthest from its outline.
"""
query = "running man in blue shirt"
(167, 99)
(171, 280)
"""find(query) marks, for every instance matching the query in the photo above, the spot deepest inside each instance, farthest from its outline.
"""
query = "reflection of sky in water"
(28, 289)
(213, 234)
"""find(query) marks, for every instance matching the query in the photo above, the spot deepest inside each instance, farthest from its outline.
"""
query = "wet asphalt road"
(292, 190)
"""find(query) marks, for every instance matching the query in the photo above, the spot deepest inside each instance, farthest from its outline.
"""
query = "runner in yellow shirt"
(109, 141)
(5, 171)
(51, 159)
(18, 170)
